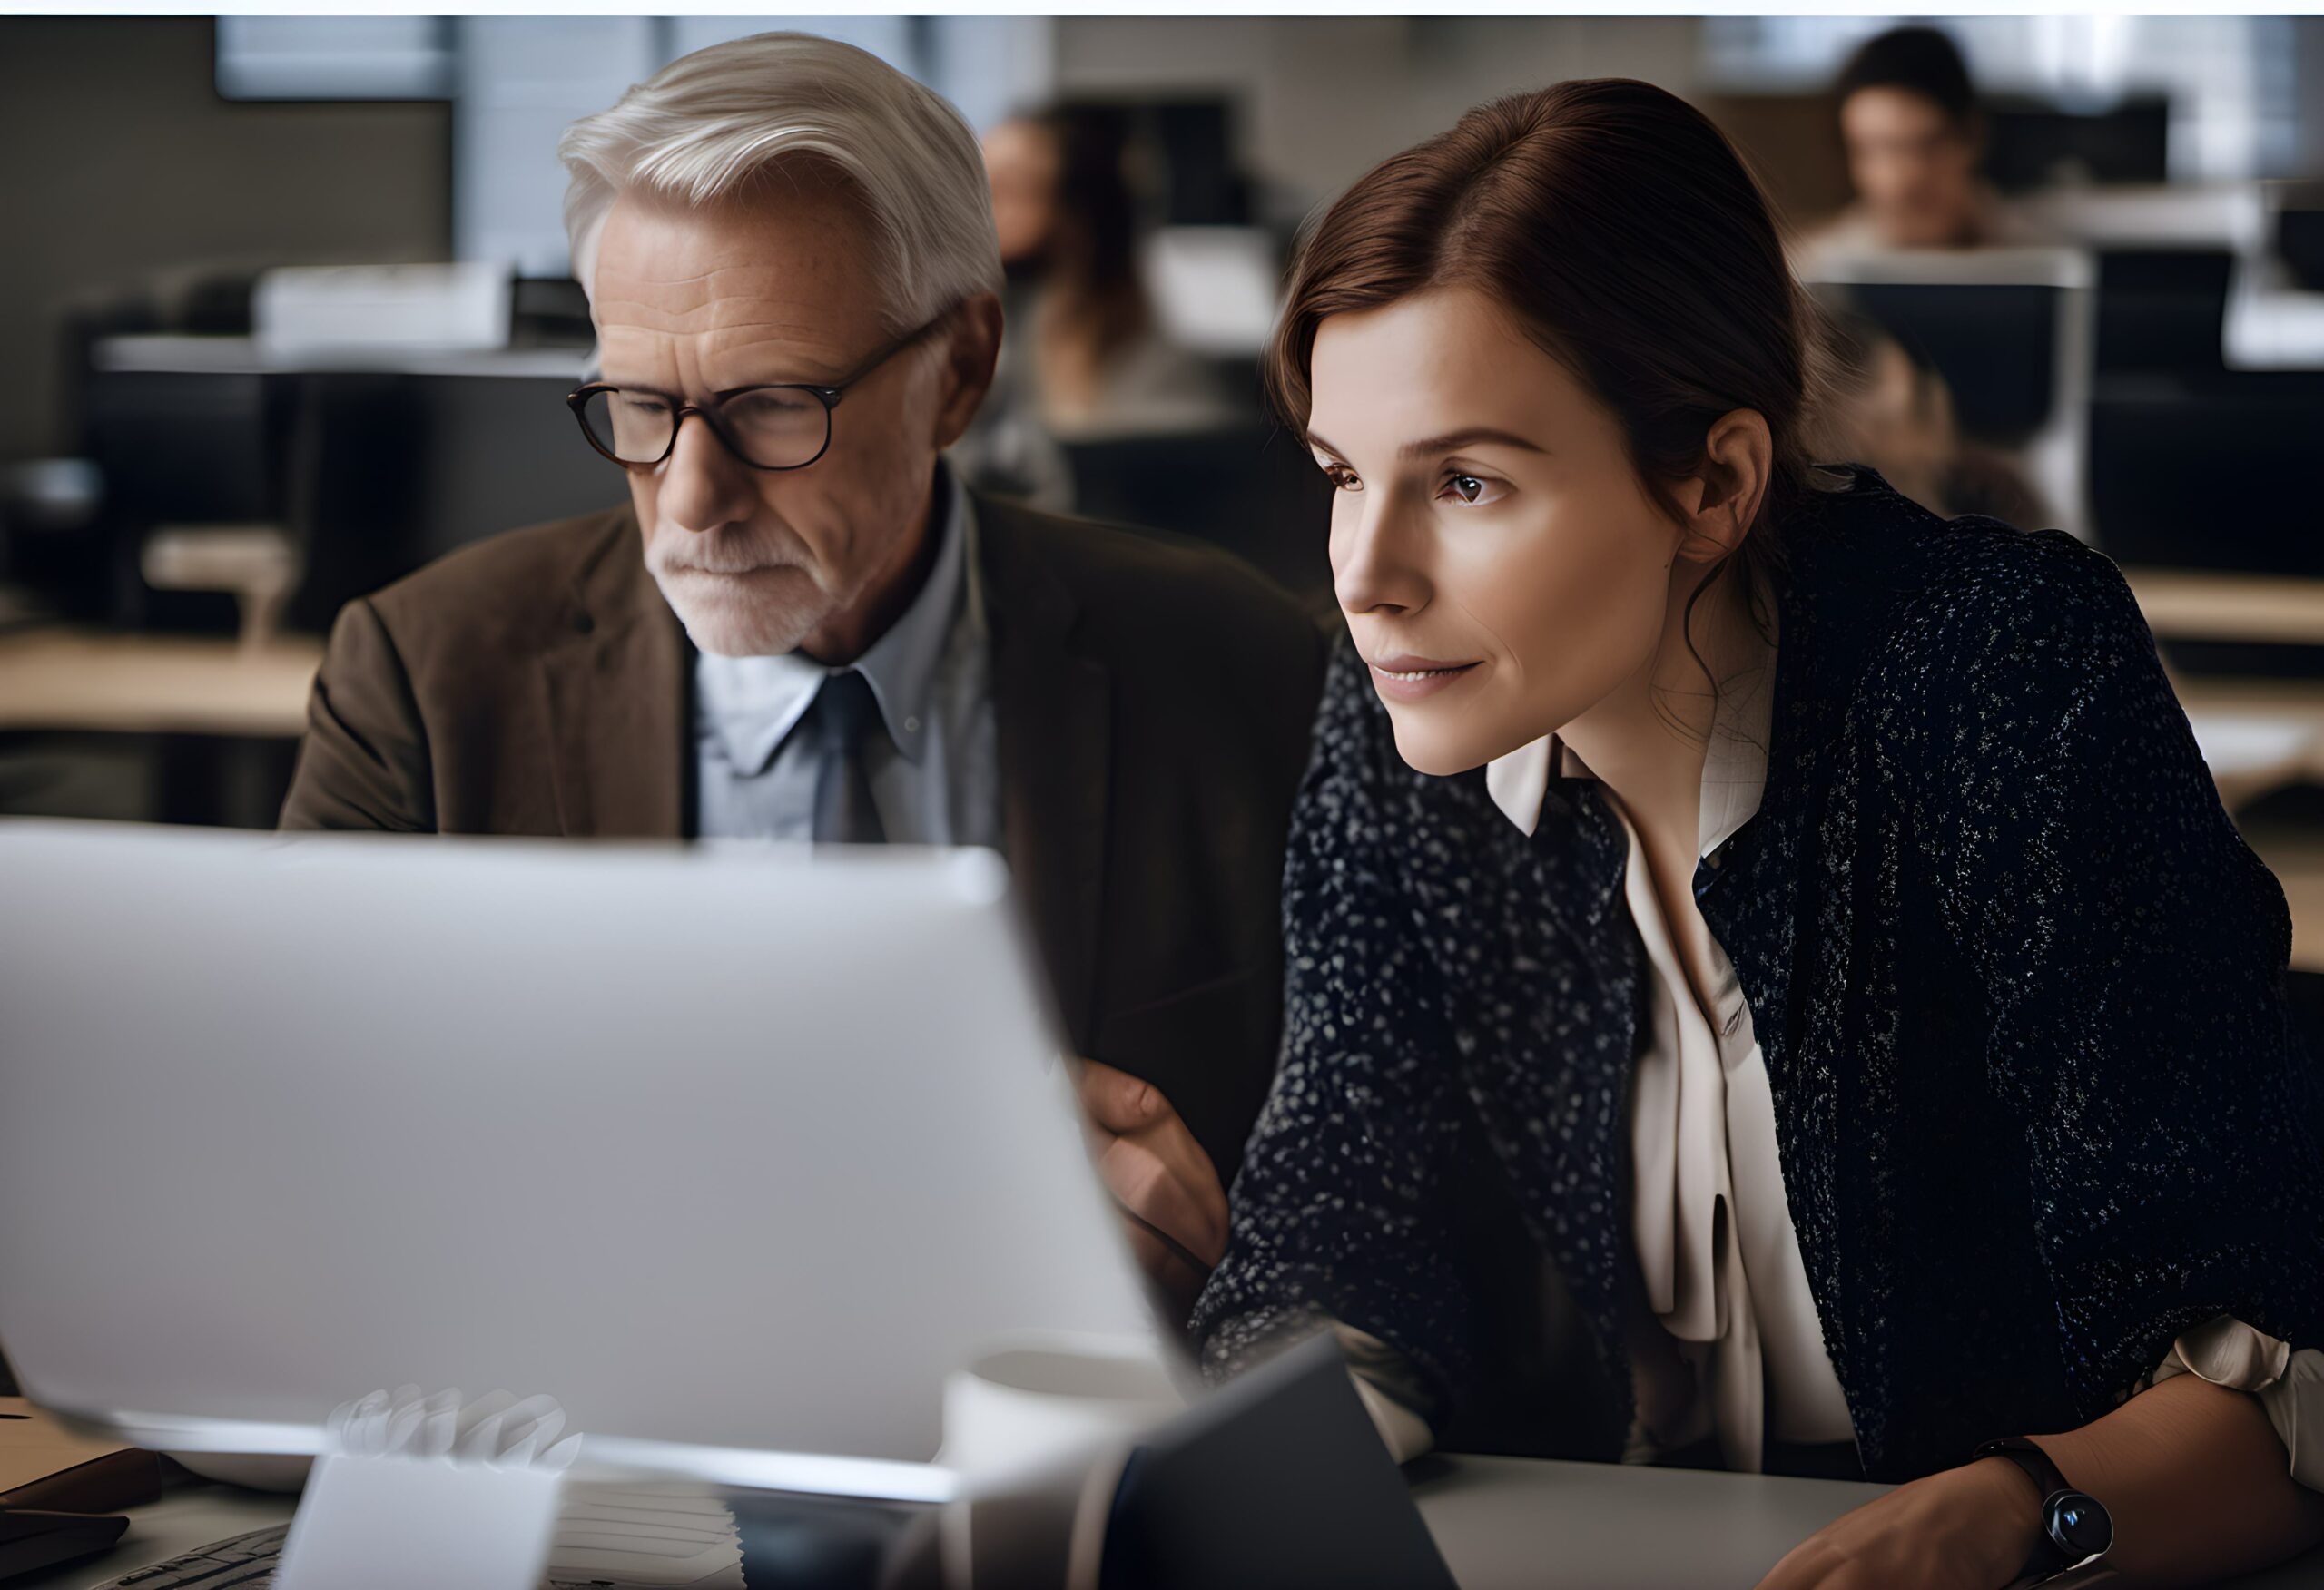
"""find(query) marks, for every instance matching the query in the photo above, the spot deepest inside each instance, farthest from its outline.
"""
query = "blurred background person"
(1896, 413)
(1086, 355)
(1069, 217)
(1914, 135)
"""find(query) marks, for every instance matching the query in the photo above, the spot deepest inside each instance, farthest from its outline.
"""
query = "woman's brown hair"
(1625, 234)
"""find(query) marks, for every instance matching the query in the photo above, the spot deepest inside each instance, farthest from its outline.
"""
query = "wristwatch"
(2076, 1530)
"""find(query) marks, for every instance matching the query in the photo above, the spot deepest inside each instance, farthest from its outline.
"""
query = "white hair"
(700, 128)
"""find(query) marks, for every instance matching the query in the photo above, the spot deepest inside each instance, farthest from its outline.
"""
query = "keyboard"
(247, 1560)
(627, 1537)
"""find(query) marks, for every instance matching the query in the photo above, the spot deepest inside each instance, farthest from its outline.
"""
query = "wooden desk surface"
(67, 679)
(84, 679)
(2205, 605)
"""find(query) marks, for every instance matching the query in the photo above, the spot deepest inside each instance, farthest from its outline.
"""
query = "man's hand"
(1172, 1204)
(1969, 1528)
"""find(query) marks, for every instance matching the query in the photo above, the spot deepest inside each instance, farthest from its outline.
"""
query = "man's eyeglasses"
(787, 425)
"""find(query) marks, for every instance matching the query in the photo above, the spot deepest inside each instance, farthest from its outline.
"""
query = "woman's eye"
(1341, 477)
(1469, 488)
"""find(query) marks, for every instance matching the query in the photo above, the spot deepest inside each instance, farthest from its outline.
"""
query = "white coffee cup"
(1022, 1405)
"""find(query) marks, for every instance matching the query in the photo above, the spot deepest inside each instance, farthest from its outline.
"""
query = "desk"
(88, 680)
(1500, 1522)
(183, 1520)
(1509, 1522)
(2205, 605)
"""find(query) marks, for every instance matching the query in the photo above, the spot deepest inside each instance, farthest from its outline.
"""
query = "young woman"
(1805, 923)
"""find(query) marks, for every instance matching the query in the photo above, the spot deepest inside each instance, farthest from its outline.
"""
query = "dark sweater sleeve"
(2132, 952)
(1338, 1211)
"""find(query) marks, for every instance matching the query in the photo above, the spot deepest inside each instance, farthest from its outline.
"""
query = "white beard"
(725, 614)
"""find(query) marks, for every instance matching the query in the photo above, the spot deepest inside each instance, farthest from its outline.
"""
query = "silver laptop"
(736, 1152)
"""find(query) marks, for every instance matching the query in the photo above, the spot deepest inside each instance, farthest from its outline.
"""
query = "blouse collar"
(1734, 762)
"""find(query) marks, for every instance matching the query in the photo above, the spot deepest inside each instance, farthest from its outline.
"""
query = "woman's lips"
(1406, 678)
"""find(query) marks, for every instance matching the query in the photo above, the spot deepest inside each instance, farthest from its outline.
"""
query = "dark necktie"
(845, 717)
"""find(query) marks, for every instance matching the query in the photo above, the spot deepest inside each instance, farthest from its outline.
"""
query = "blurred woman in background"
(1808, 916)
(1085, 354)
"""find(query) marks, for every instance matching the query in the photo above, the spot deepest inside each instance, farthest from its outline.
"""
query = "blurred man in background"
(1913, 136)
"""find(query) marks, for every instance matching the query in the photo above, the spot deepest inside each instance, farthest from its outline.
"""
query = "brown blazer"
(1153, 702)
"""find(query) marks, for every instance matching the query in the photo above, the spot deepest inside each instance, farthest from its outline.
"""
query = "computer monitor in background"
(180, 447)
(2217, 473)
(1250, 488)
(1995, 344)
(374, 467)
(2195, 462)
(425, 461)
(2031, 145)
(2161, 310)
(2299, 238)
(2009, 329)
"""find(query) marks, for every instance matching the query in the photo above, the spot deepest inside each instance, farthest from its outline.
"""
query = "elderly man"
(801, 627)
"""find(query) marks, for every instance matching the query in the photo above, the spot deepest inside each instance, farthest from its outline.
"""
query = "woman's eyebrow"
(1452, 441)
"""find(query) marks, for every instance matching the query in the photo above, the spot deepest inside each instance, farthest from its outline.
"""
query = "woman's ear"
(1738, 455)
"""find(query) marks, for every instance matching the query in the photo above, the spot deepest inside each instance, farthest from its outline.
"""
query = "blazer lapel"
(1053, 710)
(618, 687)
(1569, 906)
(1752, 908)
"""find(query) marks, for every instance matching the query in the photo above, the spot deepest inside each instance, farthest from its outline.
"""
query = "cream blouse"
(1734, 1350)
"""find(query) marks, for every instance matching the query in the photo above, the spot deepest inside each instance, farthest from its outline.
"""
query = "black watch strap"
(2052, 1554)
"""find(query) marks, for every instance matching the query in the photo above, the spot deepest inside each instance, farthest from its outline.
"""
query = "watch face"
(2079, 1526)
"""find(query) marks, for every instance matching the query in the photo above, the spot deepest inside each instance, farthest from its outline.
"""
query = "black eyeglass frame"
(712, 416)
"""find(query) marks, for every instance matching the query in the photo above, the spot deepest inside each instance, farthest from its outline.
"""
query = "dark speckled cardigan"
(2017, 981)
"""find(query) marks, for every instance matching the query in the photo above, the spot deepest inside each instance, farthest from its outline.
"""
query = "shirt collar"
(752, 703)
(1734, 762)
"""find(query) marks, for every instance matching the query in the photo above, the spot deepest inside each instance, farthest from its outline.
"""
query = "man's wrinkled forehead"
(693, 300)
(765, 215)
(773, 274)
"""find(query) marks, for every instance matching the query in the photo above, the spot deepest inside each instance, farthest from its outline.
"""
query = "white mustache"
(724, 568)
(746, 554)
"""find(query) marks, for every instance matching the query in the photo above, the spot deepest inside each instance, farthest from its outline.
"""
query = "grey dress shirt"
(934, 774)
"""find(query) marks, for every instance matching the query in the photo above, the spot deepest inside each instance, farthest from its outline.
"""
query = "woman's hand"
(1968, 1528)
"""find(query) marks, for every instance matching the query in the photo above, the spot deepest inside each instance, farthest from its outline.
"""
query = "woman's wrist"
(2007, 1500)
